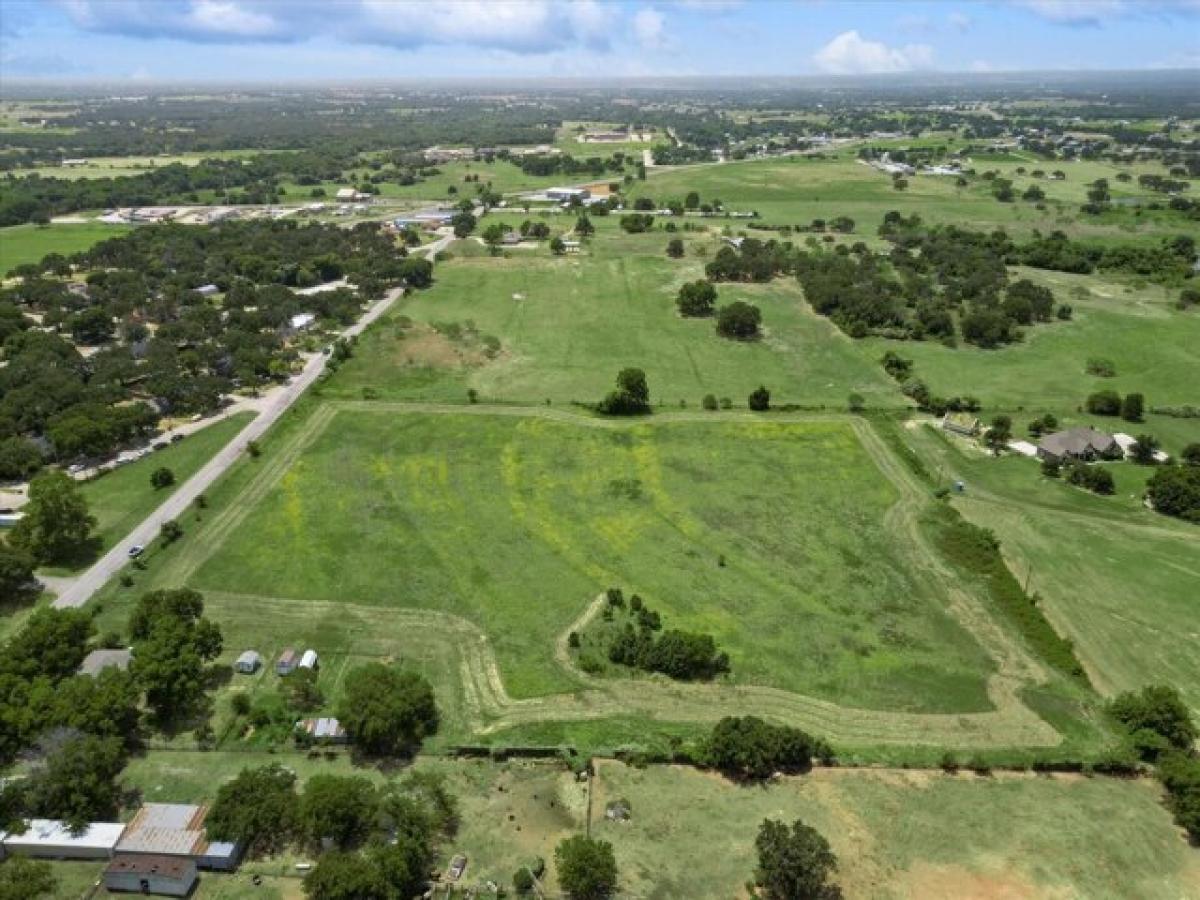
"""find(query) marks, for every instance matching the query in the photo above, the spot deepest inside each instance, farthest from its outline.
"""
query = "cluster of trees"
(587, 868)
(1169, 260)
(631, 397)
(160, 340)
(1131, 407)
(387, 711)
(901, 369)
(1175, 490)
(565, 164)
(1161, 730)
(381, 842)
(697, 298)
(747, 747)
(682, 655)
(753, 260)
(637, 223)
(739, 321)
(1096, 479)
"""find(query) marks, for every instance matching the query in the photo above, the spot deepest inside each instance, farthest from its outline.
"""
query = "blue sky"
(279, 40)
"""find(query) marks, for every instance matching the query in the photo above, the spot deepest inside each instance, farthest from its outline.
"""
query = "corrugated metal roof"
(55, 833)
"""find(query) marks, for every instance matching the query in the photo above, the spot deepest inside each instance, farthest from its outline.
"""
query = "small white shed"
(248, 662)
(309, 660)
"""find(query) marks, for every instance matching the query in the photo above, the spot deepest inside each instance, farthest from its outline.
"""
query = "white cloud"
(648, 28)
(528, 26)
(1097, 12)
(850, 54)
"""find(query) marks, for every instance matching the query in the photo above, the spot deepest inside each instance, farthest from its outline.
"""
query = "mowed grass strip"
(515, 523)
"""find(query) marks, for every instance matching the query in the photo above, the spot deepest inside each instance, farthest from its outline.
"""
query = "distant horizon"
(285, 41)
(525, 81)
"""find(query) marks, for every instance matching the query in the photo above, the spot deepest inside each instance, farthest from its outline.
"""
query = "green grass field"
(21, 244)
(796, 190)
(904, 834)
(479, 517)
(567, 325)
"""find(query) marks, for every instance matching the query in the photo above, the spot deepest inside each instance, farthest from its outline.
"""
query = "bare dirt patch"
(933, 882)
(423, 346)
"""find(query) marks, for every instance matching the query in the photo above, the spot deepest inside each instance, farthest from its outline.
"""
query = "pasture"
(1117, 579)
(1064, 836)
(20, 244)
(568, 324)
(902, 834)
(797, 189)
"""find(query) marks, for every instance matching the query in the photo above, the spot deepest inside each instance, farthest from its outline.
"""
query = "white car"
(136, 550)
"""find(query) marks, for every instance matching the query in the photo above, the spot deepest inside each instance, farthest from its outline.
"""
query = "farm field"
(122, 498)
(21, 244)
(119, 166)
(1115, 578)
(567, 325)
(500, 525)
(483, 514)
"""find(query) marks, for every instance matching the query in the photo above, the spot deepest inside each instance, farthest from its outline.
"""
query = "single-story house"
(1078, 443)
(325, 730)
(286, 664)
(53, 839)
(248, 662)
(309, 660)
(177, 830)
(570, 246)
(99, 660)
(301, 321)
(961, 423)
(165, 876)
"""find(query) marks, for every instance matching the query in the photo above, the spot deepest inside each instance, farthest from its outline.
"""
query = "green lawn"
(21, 244)
(567, 325)
(122, 498)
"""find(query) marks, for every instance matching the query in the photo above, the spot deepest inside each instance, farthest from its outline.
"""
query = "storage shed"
(53, 839)
(309, 660)
(248, 662)
(165, 876)
(286, 664)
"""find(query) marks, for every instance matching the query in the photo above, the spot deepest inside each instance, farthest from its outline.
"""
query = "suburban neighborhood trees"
(587, 868)
(22, 878)
(387, 711)
(795, 863)
(172, 642)
(1175, 491)
(56, 523)
(259, 809)
(16, 574)
(336, 808)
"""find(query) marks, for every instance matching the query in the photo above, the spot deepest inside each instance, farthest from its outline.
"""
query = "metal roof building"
(164, 875)
(177, 829)
(52, 839)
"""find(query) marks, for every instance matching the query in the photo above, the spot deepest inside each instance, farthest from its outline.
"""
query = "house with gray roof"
(1078, 444)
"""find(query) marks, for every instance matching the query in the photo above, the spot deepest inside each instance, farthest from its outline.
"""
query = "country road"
(81, 590)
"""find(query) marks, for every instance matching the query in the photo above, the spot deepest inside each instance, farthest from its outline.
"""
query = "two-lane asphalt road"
(79, 592)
